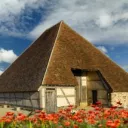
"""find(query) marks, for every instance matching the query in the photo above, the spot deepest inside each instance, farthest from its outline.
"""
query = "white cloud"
(96, 20)
(102, 49)
(10, 13)
(9, 9)
(104, 20)
(14, 7)
(7, 56)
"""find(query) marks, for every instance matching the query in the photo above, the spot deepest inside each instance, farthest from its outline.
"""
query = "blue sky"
(104, 23)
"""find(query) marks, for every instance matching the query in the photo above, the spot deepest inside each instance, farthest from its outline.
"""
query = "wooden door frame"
(55, 103)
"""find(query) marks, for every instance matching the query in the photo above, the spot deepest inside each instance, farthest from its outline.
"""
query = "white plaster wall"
(65, 96)
(61, 101)
(67, 91)
(120, 96)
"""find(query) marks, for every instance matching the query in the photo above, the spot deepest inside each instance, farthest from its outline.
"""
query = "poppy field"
(98, 117)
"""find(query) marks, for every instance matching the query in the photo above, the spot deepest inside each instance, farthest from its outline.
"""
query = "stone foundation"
(120, 96)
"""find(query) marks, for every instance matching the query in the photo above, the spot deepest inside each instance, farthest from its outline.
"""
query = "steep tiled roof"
(49, 60)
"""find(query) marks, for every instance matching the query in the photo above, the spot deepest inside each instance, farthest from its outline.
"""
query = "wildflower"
(67, 123)
(74, 117)
(97, 109)
(80, 120)
(112, 124)
(117, 122)
(9, 114)
(75, 126)
(8, 120)
(21, 117)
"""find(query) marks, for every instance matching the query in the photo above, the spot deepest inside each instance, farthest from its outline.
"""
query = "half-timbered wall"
(22, 99)
(95, 83)
(65, 96)
(88, 82)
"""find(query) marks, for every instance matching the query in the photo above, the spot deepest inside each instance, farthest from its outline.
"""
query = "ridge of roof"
(52, 50)
(21, 74)
(32, 44)
(92, 44)
(49, 60)
(71, 45)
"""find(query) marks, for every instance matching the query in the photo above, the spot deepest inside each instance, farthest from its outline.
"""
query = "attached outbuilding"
(62, 68)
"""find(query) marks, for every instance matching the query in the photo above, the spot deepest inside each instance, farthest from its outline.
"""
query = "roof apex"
(51, 57)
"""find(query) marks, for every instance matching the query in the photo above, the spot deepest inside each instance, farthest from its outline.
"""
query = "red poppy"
(67, 123)
(9, 113)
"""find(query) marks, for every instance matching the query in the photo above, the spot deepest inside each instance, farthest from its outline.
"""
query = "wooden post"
(41, 97)
(5, 106)
(84, 98)
(18, 108)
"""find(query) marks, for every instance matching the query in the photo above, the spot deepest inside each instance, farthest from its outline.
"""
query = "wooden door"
(94, 96)
(50, 100)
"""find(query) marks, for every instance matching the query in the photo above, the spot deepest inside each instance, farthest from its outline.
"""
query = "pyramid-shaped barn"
(61, 68)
